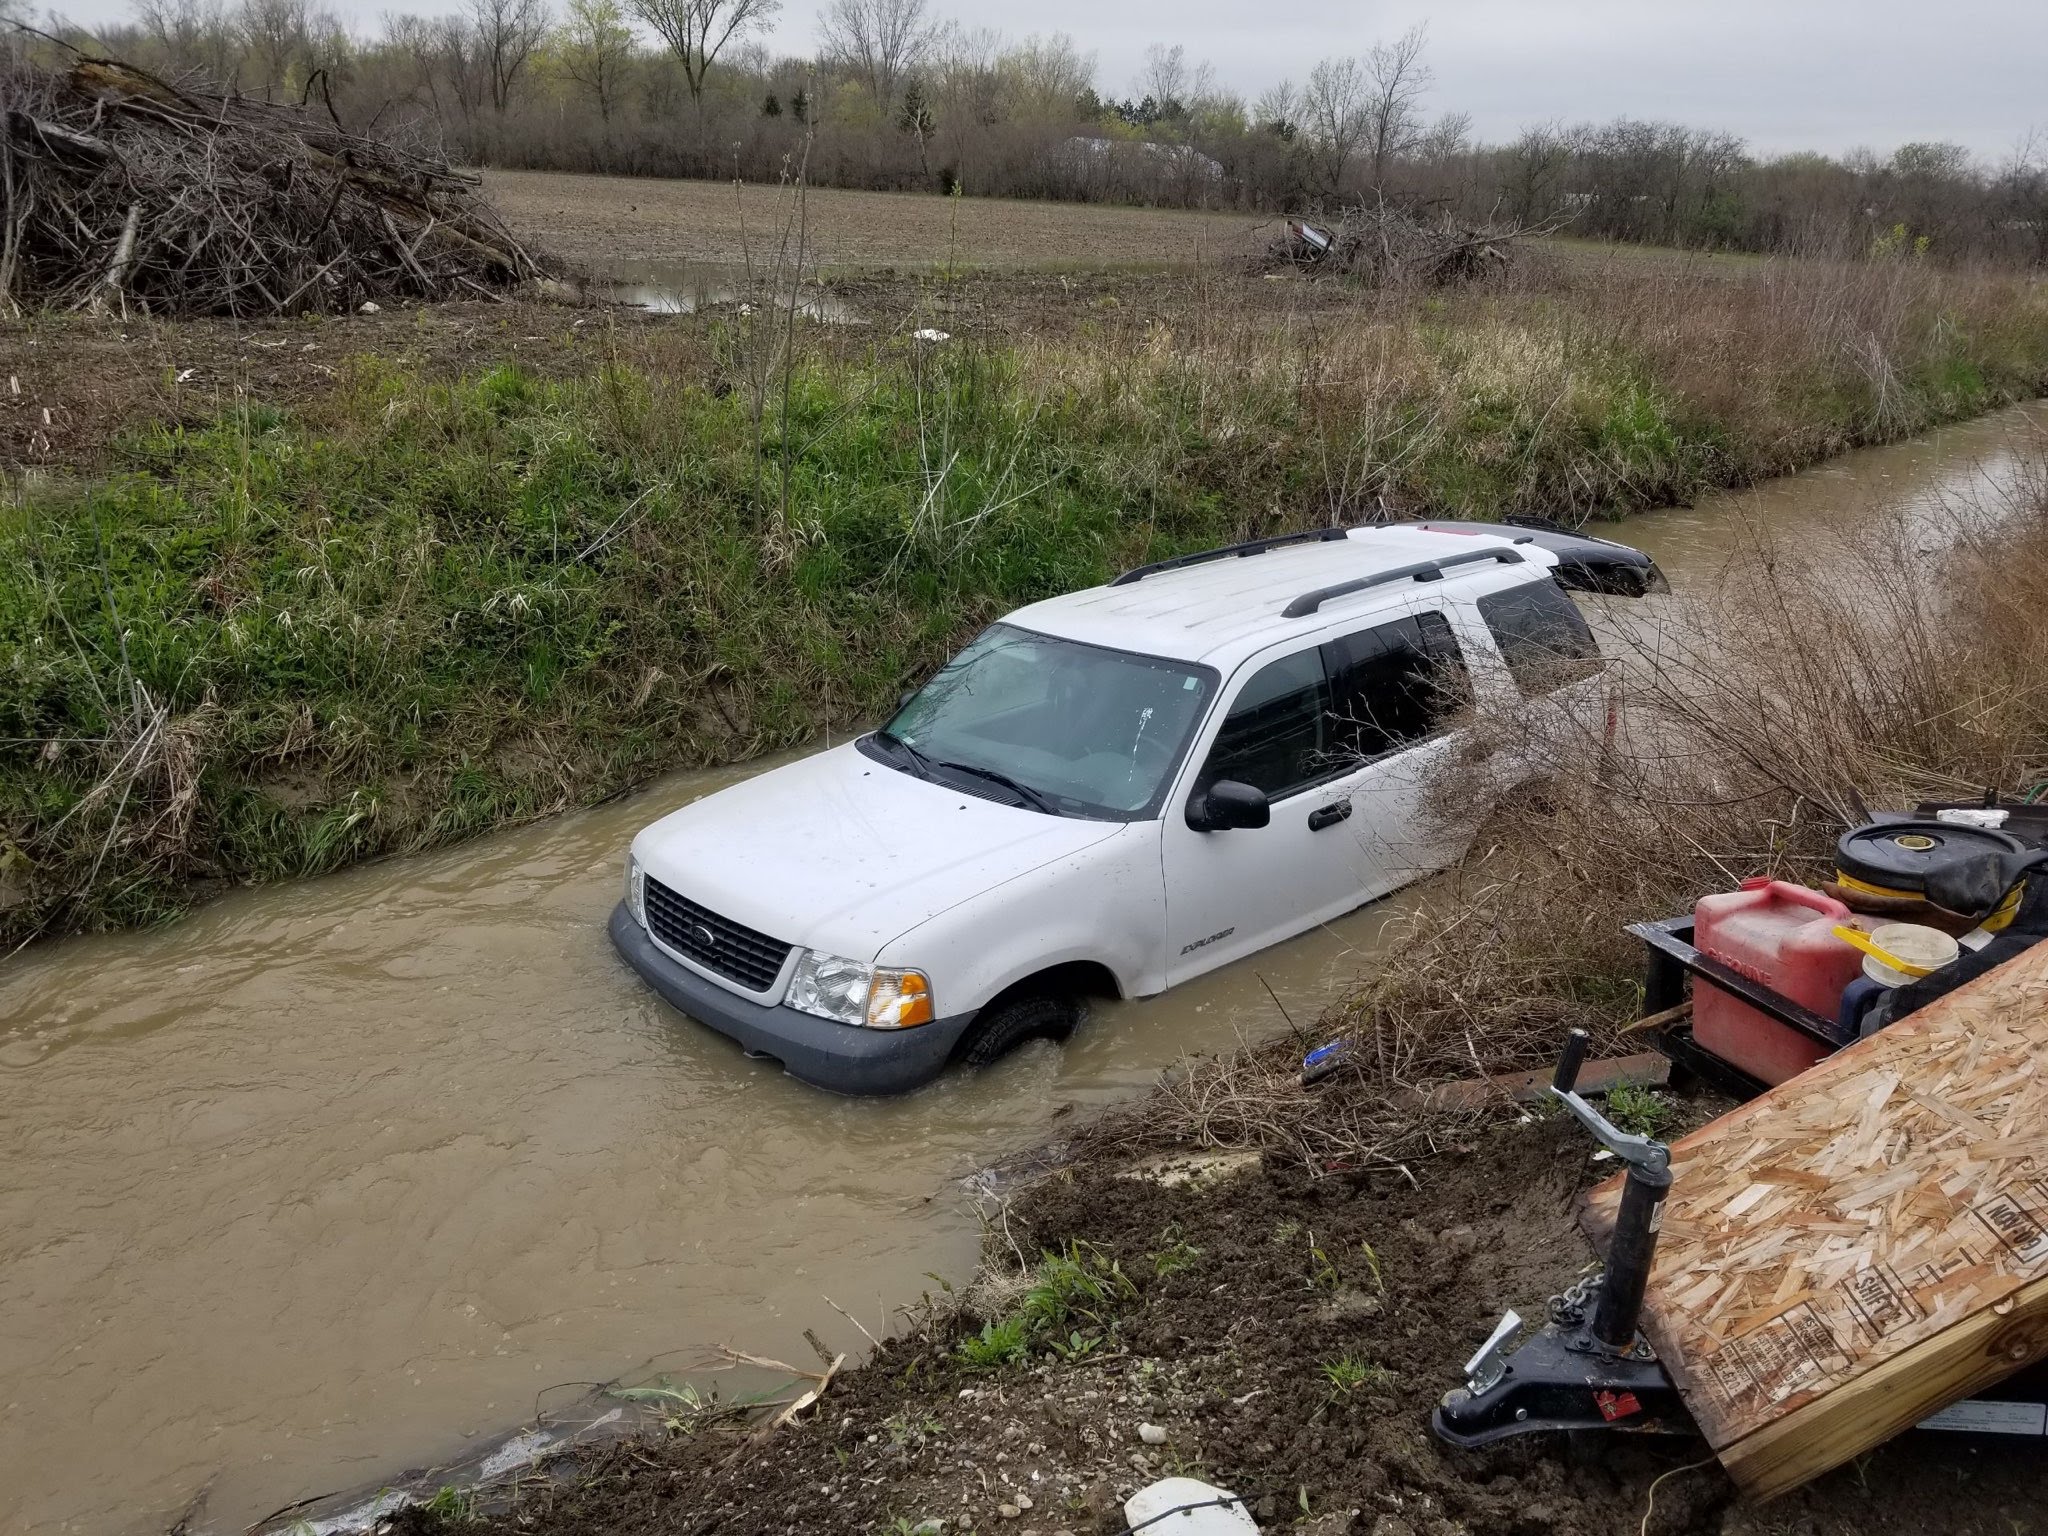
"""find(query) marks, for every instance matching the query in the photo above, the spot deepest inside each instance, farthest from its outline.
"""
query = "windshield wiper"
(918, 760)
(1031, 797)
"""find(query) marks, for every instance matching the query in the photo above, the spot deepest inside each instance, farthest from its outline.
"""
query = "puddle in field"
(337, 1178)
(685, 287)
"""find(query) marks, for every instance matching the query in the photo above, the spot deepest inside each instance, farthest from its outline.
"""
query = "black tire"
(1004, 1027)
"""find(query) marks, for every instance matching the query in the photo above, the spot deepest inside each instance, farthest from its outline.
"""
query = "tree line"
(895, 97)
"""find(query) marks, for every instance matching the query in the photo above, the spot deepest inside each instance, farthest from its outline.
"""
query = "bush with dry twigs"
(1385, 247)
(125, 191)
(1905, 660)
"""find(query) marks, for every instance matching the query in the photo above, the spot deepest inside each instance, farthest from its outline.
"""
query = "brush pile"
(125, 192)
(1388, 248)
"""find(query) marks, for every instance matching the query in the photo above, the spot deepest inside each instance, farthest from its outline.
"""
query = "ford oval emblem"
(702, 936)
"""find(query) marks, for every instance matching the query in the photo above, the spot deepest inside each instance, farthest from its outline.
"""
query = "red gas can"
(1781, 935)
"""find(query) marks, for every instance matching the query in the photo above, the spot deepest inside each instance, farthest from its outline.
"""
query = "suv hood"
(842, 853)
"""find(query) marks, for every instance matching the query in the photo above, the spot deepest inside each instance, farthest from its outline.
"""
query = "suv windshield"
(1054, 724)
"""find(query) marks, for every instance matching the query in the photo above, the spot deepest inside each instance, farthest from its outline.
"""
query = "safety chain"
(1568, 1308)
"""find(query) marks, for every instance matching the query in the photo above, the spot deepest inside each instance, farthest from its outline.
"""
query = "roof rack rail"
(1228, 551)
(1422, 570)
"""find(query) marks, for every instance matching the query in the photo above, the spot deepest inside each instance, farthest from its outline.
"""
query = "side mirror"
(1227, 805)
(905, 697)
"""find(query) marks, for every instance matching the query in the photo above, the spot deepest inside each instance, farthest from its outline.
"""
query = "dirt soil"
(600, 221)
(1272, 1276)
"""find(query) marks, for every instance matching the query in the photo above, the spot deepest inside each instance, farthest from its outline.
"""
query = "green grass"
(1639, 1110)
(1349, 1374)
(417, 608)
(1070, 1307)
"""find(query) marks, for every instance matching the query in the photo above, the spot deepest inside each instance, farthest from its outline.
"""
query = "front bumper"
(842, 1057)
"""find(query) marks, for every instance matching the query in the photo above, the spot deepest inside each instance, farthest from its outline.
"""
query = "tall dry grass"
(1582, 385)
(1759, 719)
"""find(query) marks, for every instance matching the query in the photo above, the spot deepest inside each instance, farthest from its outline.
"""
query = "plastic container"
(1783, 936)
(1898, 953)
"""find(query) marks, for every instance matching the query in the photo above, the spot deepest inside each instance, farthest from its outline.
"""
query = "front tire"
(1006, 1026)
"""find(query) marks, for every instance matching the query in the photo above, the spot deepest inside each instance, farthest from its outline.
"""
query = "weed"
(1322, 1269)
(998, 1344)
(1372, 1263)
(1349, 1374)
(1080, 1284)
(452, 1504)
(1638, 1110)
(1175, 1254)
(911, 1429)
(1075, 1346)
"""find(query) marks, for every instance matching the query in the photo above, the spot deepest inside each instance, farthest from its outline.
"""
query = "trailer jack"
(1588, 1366)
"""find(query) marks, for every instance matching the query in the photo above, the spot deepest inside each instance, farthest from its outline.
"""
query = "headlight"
(854, 992)
(636, 889)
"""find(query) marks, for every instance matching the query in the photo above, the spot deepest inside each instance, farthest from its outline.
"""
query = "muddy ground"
(598, 221)
(1289, 1335)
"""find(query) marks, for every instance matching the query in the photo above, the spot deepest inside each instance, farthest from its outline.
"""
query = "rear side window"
(1274, 737)
(1394, 685)
(1542, 636)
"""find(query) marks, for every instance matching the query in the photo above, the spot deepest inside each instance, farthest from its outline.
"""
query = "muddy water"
(327, 1179)
(685, 287)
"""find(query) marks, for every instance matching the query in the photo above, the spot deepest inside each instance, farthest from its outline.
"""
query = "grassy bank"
(407, 601)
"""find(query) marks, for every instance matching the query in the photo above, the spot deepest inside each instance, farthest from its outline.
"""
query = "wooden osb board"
(1864, 1244)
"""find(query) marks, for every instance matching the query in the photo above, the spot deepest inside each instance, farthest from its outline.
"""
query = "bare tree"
(697, 31)
(1333, 111)
(507, 32)
(445, 67)
(1047, 76)
(2021, 193)
(1396, 80)
(275, 34)
(595, 49)
(192, 35)
(1171, 83)
(879, 41)
(1447, 138)
(1279, 108)
(1531, 171)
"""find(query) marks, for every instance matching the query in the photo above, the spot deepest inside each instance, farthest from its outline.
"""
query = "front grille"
(717, 943)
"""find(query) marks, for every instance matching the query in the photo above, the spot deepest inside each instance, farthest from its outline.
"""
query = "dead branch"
(125, 190)
(1387, 247)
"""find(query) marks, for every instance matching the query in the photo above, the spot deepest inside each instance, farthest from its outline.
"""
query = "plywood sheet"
(1861, 1245)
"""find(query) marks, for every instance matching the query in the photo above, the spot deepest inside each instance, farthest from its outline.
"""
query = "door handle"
(1328, 815)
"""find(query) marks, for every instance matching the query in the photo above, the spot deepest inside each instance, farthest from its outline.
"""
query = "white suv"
(1108, 793)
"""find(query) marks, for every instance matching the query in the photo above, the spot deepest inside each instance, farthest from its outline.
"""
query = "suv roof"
(1193, 612)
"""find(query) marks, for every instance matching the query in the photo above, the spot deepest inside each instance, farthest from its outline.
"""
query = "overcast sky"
(1785, 74)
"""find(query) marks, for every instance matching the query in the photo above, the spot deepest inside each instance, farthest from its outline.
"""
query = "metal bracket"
(1549, 1385)
(1490, 1361)
(1636, 1151)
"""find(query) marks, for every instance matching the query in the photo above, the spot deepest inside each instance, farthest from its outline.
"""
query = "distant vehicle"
(1107, 794)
